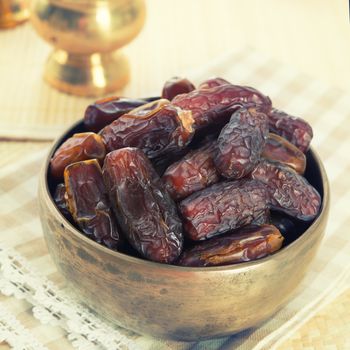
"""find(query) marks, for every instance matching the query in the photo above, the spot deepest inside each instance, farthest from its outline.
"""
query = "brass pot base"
(87, 75)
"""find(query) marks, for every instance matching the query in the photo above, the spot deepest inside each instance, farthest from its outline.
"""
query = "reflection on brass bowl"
(175, 302)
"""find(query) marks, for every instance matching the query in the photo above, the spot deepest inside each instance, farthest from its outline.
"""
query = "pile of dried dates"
(200, 177)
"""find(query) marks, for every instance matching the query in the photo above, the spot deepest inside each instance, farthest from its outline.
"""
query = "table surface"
(312, 36)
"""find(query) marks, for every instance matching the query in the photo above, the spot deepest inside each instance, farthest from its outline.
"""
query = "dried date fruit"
(82, 146)
(215, 105)
(241, 142)
(161, 163)
(224, 207)
(88, 202)
(105, 111)
(245, 244)
(176, 86)
(290, 228)
(289, 192)
(213, 82)
(279, 149)
(284, 224)
(143, 207)
(211, 135)
(156, 128)
(203, 136)
(60, 198)
(294, 129)
(192, 173)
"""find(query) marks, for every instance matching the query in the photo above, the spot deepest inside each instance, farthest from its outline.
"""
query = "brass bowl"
(173, 302)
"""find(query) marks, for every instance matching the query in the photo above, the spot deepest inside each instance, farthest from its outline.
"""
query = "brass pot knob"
(86, 35)
(13, 12)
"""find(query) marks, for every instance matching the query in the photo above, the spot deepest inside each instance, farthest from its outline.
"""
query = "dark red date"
(82, 146)
(176, 86)
(88, 202)
(289, 192)
(161, 163)
(284, 224)
(213, 82)
(60, 198)
(294, 129)
(280, 150)
(245, 244)
(241, 143)
(192, 173)
(103, 112)
(143, 207)
(223, 207)
(216, 105)
(156, 128)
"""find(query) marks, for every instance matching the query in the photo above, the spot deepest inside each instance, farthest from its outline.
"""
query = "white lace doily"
(52, 306)
(15, 334)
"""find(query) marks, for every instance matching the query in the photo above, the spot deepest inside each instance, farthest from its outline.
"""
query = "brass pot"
(173, 302)
(85, 35)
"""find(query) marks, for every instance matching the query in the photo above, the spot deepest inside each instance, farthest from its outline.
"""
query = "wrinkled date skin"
(88, 202)
(294, 129)
(223, 207)
(144, 209)
(156, 128)
(105, 111)
(192, 173)
(60, 198)
(215, 105)
(280, 150)
(82, 146)
(213, 82)
(176, 86)
(289, 192)
(241, 142)
(248, 243)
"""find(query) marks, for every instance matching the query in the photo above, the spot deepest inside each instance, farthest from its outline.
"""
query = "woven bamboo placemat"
(328, 329)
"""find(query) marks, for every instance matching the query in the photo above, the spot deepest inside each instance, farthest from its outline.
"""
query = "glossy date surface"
(88, 202)
(284, 224)
(192, 173)
(143, 207)
(105, 111)
(223, 207)
(241, 143)
(289, 192)
(215, 105)
(81, 146)
(156, 128)
(280, 150)
(60, 198)
(248, 243)
(294, 129)
(176, 86)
